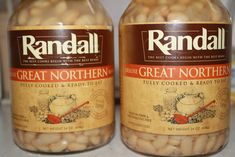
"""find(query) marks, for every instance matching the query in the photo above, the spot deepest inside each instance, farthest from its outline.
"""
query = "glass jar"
(178, 44)
(62, 77)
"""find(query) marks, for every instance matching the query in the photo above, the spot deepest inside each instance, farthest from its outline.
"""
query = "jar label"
(62, 79)
(175, 78)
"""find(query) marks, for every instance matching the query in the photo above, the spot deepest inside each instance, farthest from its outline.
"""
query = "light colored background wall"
(115, 8)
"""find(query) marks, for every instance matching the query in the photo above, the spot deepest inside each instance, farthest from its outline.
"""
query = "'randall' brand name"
(203, 41)
(40, 48)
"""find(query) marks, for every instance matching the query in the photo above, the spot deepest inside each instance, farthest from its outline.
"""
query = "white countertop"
(115, 148)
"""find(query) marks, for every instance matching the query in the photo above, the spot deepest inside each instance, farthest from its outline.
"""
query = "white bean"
(58, 146)
(132, 140)
(178, 7)
(40, 4)
(43, 148)
(175, 140)
(184, 1)
(160, 141)
(82, 139)
(145, 146)
(197, 5)
(35, 11)
(106, 133)
(177, 17)
(156, 18)
(70, 16)
(219, 143)
(168, 150)
(162, 10)
(22, 17)
(45, 139)
(166, 2)
(141, 18)
(21, 136)
(16, 138)
(76, 147)
(216, 13)
(95, 140)
(50, 21)
(146, 136)
(30, 147)
(106, 137)
(211, 143)
(53, 1)
(29, 137)
(70, 137)
(33, 21)
(85, 20)
(187, 146)
(200, 144)
(60, 7)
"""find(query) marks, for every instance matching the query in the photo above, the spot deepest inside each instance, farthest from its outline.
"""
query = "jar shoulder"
(60, 12)
(175, 11)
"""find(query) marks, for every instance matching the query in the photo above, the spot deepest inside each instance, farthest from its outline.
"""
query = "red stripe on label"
(61, 75)
(177, 72)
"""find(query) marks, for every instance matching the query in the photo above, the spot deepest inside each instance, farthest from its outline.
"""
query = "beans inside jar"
(62, 75)
(175, 72)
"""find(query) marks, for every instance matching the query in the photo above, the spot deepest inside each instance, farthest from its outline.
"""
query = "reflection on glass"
(6, 8)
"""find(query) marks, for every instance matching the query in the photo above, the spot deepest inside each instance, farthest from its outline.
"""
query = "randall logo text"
(203, 40)
(73, 45)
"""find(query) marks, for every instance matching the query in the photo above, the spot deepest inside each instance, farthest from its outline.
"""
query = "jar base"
(172, 146)
(64, 143)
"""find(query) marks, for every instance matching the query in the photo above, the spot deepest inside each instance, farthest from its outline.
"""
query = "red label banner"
(177, 72)
(61, 75)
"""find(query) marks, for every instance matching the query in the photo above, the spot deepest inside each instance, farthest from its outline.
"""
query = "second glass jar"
(182, 45)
